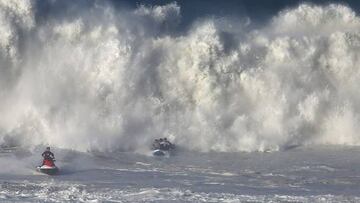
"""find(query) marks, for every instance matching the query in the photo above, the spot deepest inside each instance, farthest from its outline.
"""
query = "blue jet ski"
(162, 147)
(159, 152)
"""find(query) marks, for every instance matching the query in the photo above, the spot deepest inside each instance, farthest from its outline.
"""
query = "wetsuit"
(165, 145)
(48, 155)
(156, 145)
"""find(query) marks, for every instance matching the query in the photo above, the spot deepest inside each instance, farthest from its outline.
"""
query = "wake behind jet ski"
(48, 165)
(162, 147)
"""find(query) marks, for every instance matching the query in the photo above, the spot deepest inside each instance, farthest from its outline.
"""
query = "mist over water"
(91, 77)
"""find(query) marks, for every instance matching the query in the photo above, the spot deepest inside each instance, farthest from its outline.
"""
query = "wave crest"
(119, 80)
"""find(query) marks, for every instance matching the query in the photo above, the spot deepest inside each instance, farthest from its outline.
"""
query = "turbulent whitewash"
(98, 78)
(98, 82)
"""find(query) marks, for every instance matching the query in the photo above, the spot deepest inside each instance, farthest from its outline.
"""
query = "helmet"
(48, 148)
(160, 139)
(165, 139)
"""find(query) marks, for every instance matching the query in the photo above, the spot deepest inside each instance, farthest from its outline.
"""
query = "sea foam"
(100, 79)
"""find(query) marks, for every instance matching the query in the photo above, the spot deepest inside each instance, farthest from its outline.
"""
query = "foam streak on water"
(326, 174)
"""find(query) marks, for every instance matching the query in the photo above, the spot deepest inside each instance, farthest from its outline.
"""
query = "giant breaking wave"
(93, 77)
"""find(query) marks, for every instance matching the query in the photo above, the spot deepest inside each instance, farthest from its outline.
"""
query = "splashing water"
(97, 78)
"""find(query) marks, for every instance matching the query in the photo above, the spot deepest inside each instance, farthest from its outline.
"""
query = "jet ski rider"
(48, 155)
(156, 144)
(162, 144)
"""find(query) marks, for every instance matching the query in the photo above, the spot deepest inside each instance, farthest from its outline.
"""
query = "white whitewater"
(102, 79)
(86, 76)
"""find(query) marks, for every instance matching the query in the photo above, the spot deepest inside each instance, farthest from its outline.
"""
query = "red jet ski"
(48, 167)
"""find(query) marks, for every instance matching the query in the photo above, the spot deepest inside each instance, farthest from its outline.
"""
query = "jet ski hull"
(49, 170)
(158, 152)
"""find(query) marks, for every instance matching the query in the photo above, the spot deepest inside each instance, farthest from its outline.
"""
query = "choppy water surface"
(328, 174)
